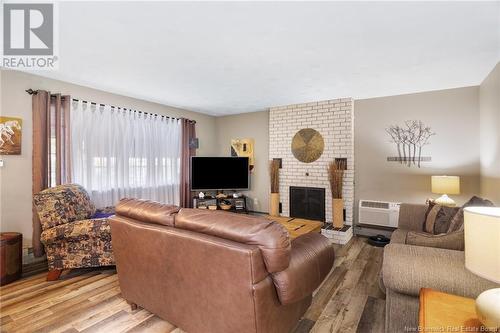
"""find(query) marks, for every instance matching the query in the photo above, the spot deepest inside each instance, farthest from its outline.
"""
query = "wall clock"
(307, 145)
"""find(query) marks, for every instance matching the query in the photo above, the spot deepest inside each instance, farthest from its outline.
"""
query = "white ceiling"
(233, 57)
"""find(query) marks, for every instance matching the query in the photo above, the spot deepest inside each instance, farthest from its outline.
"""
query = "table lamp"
(482, 257)
(445, 185)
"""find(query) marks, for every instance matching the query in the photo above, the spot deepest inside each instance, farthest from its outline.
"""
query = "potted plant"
(274, 205)
(336, 178)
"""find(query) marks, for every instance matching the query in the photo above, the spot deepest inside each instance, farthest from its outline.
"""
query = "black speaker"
(280, 161)
(194, 143)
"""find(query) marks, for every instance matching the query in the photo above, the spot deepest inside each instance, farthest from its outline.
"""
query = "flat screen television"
(219, 173)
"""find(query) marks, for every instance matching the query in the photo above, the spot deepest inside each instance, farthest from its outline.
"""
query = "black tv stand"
(238, 205)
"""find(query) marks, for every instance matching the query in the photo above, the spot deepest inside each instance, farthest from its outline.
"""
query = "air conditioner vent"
(378, 213)
(375, 204)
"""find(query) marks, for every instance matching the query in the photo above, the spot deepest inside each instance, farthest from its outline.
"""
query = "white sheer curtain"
(121, 153)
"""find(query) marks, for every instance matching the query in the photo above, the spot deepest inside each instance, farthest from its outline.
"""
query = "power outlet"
(1, 163)
(255, 203)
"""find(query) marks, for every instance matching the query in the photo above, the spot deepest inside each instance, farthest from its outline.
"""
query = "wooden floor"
(90, 301)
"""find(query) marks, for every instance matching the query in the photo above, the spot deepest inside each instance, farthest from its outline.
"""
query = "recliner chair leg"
(133, 306)
(54, 274)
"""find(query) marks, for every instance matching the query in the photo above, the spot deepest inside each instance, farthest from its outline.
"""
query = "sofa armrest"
(452, 241)
(311, 260)
(399, 236)
(412, 216)
(407, 268)
(77, 231)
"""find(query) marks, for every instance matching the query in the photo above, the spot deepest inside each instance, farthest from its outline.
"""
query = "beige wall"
(453, 114)
(249, 125)
(15, 176)
(489, 103)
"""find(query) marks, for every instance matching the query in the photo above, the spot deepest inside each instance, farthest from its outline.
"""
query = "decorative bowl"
(225, 206)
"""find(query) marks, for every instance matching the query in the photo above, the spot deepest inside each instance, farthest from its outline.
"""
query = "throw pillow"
(430, 217)
(438, 218)
(443, 219)
(457, 222)
(477, 201)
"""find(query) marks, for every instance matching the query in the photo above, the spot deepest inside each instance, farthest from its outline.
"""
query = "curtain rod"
(34, 92)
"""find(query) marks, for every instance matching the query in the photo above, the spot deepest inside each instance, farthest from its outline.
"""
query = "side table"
(442, 312)
(11, 256)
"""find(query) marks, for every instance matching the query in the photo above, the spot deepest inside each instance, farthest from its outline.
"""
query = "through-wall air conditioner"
(380, 213)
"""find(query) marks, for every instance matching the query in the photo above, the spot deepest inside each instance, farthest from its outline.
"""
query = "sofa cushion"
(311, 261)
(271, 237)
(406, 269)
(104, 212)
(451, 241)
(63, 204)
(78, 231)
(147, 211)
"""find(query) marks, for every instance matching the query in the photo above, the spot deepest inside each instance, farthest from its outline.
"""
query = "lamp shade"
(482, 241)
(445, 184)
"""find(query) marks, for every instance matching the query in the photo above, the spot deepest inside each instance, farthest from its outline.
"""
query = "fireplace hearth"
(307, 203)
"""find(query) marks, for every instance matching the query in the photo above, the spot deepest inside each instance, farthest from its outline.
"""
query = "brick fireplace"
(333, 119)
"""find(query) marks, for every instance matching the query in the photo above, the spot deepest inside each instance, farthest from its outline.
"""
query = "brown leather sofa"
(213, 271)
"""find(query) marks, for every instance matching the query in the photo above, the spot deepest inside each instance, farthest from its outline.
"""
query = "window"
(119, 153)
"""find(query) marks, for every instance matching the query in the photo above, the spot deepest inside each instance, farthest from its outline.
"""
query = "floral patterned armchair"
(75, 234)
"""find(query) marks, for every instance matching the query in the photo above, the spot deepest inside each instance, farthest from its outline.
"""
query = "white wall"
(453, 114)
(15, 176)
(489, 103)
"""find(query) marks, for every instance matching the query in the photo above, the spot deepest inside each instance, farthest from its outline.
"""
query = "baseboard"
(40, 265)
(257, 212)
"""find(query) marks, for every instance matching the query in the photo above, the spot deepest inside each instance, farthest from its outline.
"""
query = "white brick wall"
(334, 120)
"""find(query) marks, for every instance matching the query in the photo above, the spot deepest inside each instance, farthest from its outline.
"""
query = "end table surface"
(442, 312)
(297, 227)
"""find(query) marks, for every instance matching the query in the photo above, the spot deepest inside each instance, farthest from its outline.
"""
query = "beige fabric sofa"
(408, 268)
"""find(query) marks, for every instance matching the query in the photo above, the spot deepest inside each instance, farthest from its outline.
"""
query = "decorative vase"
(338, 213)
(274, 206)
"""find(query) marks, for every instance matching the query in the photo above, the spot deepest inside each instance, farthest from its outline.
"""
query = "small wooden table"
(297, 227)
(11, 256)
(441, 312)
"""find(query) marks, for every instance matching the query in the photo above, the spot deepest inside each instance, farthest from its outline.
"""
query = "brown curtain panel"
(51, 149)
(188, 133)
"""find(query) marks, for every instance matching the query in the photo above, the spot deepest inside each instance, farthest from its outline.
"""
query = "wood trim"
(421, 309)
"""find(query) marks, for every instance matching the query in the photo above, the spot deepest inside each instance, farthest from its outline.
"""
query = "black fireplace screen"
(307, 203)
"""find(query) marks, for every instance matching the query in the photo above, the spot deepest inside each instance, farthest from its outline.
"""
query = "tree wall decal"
(410, 139)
